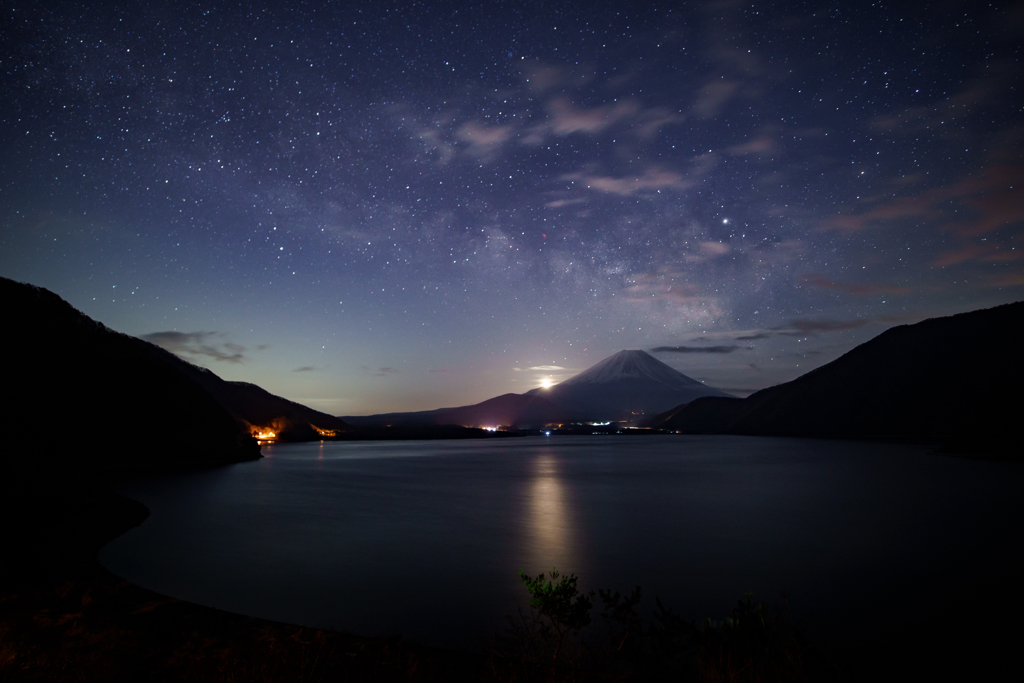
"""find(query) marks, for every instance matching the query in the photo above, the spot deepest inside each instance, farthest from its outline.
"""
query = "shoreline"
(63, 616)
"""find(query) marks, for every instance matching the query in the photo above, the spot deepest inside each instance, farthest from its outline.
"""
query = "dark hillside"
(257, 408)
(78, 393)
(956, 379)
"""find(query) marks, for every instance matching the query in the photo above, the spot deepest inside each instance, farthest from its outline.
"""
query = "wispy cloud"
(305, 368)
(694, 349)
(992, 200)
(960, 104)
(713, 96)
(378, 372)
(434, 142)
(1006, 280)
(484, 141)
(567, 119)
(665, 286)
(544, 77)
(988, 252)
(557, 203)
(653, 178)
(759, 145)
(198, 346)
(713, 249)
(819, 280)
(807, 328)
(650, 122)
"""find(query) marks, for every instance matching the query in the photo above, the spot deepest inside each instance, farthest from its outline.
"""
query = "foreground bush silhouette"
(563, 610)
(555, 639)
(756, 642)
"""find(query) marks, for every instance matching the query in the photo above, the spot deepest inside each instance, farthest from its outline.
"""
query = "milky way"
(370, 207)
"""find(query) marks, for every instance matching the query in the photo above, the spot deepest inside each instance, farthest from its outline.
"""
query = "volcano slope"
(623, 386)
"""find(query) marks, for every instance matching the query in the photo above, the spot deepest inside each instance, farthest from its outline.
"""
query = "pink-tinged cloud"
(484, 140)
(819, 280)
(807, 328)
(650, 122)
(564, 202)
(1002, 256)
(652, 179)
(567, 119)
(996, 209)
(648, 286)
(920, 206)
(996, 199)
(545, 77)
(761, 145)
(951, 258)
(989, 252)
(1006, 280)
(845, 222)
(715, 248)
(712, 97)
(957, 105)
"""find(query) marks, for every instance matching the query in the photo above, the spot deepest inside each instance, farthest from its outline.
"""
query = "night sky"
(368, 207)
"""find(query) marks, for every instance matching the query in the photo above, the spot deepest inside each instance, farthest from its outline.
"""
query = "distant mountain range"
(623, 386)
(80, 393)
(507, 409)
(956, 379)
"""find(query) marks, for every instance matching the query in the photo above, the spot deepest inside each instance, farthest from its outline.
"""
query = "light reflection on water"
(427, 538)
(551, 530)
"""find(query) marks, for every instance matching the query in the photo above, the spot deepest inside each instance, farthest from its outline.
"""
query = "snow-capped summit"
(632, 365)
(626, 385)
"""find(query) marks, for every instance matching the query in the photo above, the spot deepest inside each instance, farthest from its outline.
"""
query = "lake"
(426, 539)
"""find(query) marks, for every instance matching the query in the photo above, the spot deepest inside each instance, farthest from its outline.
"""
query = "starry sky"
(377, 206)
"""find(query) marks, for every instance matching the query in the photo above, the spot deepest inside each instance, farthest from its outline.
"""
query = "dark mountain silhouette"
(507, 409)
(624, 386)
(956, 379)
(78, 393)
(620, 387)
(258, 409)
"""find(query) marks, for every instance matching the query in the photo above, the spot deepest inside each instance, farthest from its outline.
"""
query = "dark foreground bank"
(64, 617)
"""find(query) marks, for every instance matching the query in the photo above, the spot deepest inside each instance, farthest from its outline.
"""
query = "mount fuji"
(623, 386)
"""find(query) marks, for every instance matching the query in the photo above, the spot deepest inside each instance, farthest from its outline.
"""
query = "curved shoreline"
(63, 616)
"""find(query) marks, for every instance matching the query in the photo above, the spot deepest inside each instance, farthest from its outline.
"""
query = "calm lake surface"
(426, 539)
